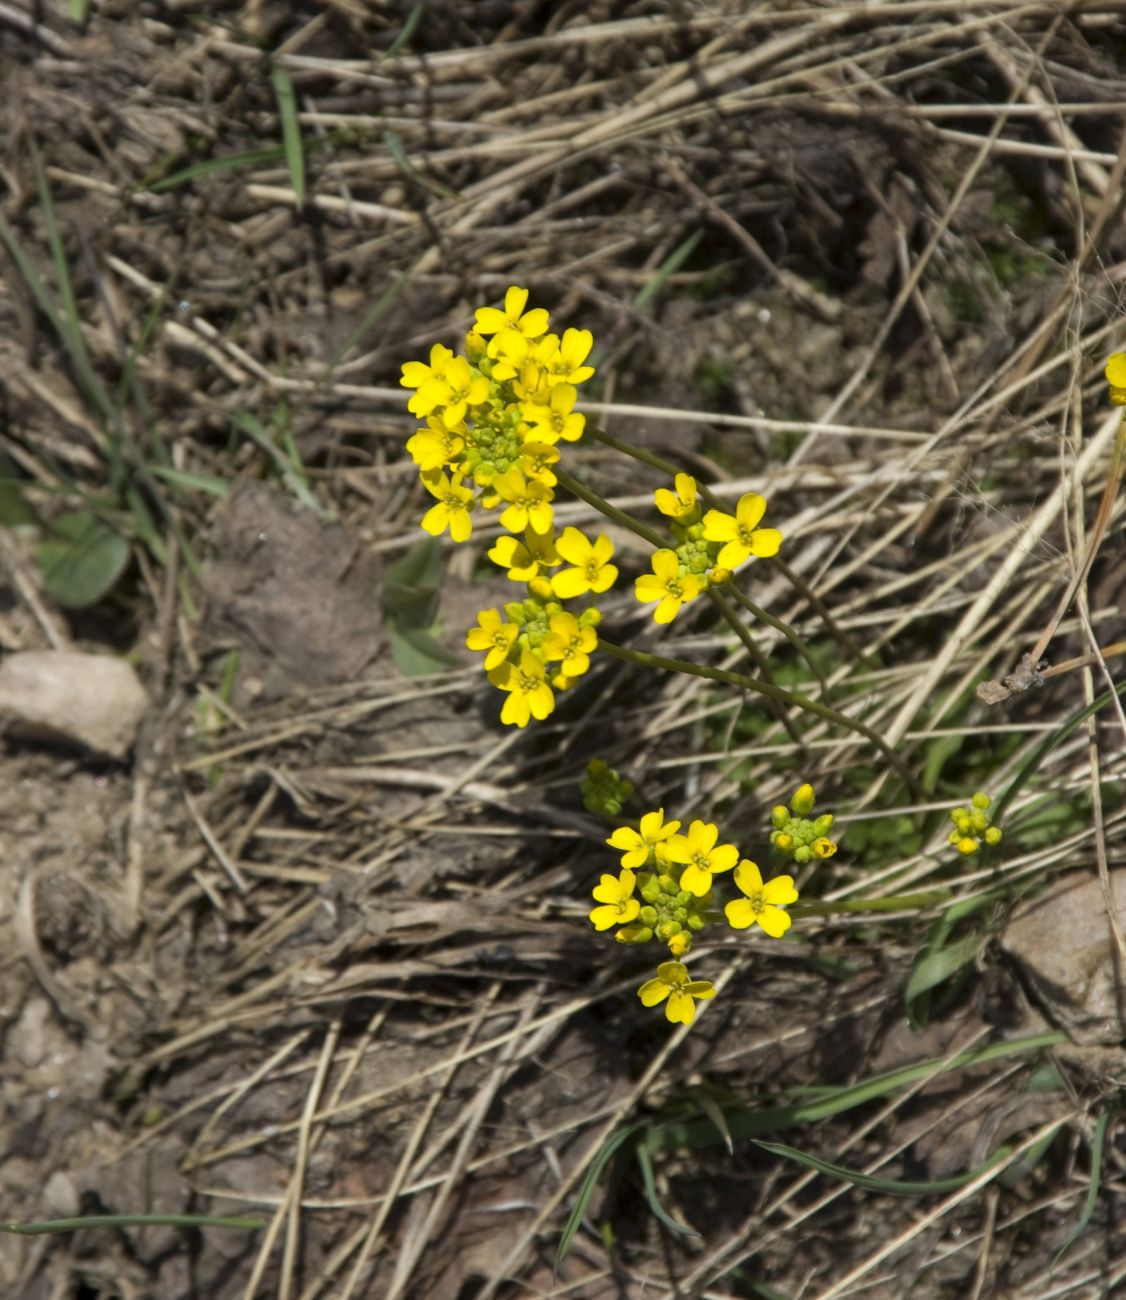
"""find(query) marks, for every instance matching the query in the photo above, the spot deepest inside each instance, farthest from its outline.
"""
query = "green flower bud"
(993, 835)
(802, 802)
(823, 825)
(649, 887)
(981, 801)
(780, 816)
(803, 853)
(649, 915)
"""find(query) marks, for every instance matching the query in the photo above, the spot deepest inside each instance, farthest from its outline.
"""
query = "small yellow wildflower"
(569, 643)
(636, 846)
(492, 635)
(672, 982)
(701, 856)
(436, 446)
(592, 568)
(466, 389)
(682, 503)
(428, 381)
(973, 826)
(763, 903)
(529, 694)
(741, 533)
(491, 320)
(557, 417)
(1116, 377)
(527, 559)
(563, 359)
(616, 894)
(667, 585)
(529, 503)
(452, 510)
(538, 458)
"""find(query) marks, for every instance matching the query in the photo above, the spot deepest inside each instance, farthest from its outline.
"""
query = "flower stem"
(744, 634)
(891, 903)
(603, 506)
(768, 689)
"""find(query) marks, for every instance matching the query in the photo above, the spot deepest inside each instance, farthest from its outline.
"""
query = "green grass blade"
(589, 1183)
(407, 31)
(131, 1221)
(209, 483)
(291, 131)
(371, 317)
(887, 1186)
(293, 476)
(668, 267)
(1092, 1187)
(646, 1163)
(207, 166)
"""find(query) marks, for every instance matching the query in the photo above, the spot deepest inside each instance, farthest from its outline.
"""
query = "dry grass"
(864, 259)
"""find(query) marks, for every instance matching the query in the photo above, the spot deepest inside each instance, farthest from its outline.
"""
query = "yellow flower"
(529, 503)
(538, 458)
(593, 570)
(672, 982)
(763, 903)
(428, 380)
(680, 505)
(557, 418)
(466, 389)
(525, 560)
(529, 694)
(452, 510)
(700, 856)
(616, 893)
(563, 359)
(1116, 377)
(436, 446)
(652, 836)
(491, 320)
(492, 635)
(667, 585)
(570, 643)
(741, 532)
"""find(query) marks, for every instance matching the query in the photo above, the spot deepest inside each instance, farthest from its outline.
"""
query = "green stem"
(756, 611)
(891, 903)
(611, 512)
(744, 634)
(794, 579)
(775, 692)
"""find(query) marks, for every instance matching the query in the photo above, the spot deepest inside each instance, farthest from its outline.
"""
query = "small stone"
(90, 700)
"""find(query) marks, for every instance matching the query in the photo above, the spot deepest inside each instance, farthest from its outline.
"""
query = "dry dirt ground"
(314, 951)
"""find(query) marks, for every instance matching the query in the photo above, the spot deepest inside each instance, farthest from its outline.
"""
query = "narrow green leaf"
(668, 267)
(589, 1183)
(293, 476)
(371, 317)
(291, 131)
(132, 1221)
(1092, 1188)
(888, 1186)
(228, 162)
(646, 1163)
(405, 33)
(81, 560)
(209, 483)
(934, 965)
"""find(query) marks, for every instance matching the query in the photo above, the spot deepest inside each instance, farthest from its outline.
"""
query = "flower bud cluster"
(973, 826)
(796, 834)
(604, 790)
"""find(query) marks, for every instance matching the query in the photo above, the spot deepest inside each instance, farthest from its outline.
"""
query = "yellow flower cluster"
(796, 835)
(664, 891)
(494, 417)
(973, 826)
(709, 547)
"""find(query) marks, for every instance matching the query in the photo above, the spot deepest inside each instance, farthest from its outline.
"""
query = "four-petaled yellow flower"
(428, 381)
(763, 903)
(452, 510)
(682, 503)
(529, 502)
(701, 856)
(491, 320)
(569, 643)
(593, 570)
(672, 982)
(492, 635)
(741, 532)
(667, 585)
(524, 560)
(436, 446)
(1116, 377)
(653, 833)
(467, 388)
(619, 905)
(558, 418)
(529, 695)
(564, 359)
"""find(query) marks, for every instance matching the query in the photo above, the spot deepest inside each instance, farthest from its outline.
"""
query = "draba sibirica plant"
(973, 826)
(498, 417)
(664, 891)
